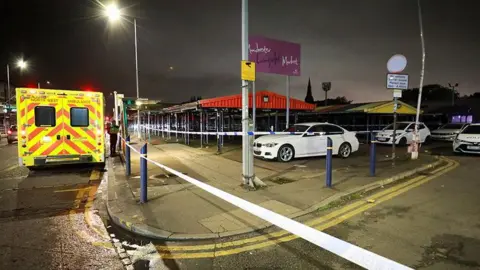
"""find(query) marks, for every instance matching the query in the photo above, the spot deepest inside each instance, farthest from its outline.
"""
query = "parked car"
(404, 133)
(448, 132)
(12, 134)
(312, 141)
(468, 140)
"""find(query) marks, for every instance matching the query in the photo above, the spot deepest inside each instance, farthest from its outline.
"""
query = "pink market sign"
(274, 56)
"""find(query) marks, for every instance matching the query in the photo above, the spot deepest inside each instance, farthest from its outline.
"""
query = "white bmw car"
(310, 140)
(468, 140)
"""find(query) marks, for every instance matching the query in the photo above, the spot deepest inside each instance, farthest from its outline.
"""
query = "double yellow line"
(321, 223)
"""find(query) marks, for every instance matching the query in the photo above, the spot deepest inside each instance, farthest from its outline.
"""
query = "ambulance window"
(45, 116)
(79, 117)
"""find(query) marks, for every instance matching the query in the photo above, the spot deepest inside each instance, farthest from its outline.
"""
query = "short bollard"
(373, 156)
(328, 174)
(128, 164)
(143, 174)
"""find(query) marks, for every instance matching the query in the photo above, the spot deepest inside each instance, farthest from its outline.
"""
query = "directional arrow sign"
(248, 70)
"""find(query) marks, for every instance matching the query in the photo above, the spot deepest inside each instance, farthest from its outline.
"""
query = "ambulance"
(59, 127)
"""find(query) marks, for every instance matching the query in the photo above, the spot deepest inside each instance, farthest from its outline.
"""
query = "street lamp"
(452, 87)
(21, 64)
(113, 13)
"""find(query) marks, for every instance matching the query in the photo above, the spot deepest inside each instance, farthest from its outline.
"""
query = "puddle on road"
(452, 248)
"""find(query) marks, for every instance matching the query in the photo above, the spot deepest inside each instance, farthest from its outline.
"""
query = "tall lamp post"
(452, 87)
(114, 14)
(21, 64)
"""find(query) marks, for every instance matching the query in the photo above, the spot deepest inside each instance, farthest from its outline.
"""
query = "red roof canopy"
(265, 100)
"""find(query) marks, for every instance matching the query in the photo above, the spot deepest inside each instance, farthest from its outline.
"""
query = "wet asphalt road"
(49, 219)
(433, 226)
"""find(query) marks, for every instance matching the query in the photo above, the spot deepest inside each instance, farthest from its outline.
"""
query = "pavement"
(52, 218)
(293, 190)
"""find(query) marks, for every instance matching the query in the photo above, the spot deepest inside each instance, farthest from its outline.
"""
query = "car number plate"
(473, 147)
(381, 139)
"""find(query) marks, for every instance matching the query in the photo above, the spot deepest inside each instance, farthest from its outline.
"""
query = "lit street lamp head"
(22, 64)
(112, 12)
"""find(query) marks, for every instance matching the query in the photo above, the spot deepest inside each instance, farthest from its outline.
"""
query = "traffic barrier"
(350, 252)
(373, 155)
(328, 165)
(143, 174)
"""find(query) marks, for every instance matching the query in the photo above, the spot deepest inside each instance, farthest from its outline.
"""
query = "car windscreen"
(452, 126)
(400, 126)
(297, 128)
(472, 130)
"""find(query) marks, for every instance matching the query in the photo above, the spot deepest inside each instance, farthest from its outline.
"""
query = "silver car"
(448, 132)
(12, 134)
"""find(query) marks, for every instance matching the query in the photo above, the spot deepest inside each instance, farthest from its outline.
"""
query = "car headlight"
(270, 144)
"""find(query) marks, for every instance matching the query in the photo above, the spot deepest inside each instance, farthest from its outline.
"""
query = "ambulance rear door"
(80, 131)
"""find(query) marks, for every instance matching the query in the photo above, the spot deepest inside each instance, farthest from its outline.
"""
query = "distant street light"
(113, 13)
(22, 64)
(452, 87)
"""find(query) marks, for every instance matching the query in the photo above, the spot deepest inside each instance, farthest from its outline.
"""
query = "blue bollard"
(143, 174)
(328, 174)
(128, 165)
(373, 155)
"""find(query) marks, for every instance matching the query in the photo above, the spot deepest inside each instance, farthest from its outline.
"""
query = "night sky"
(347, 42)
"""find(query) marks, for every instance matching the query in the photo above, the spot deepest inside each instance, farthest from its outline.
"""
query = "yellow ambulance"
(59, 127)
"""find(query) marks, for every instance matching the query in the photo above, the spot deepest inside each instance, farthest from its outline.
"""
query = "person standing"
(113, 133)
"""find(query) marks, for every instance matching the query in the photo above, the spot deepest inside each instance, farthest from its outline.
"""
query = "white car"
(448, 132)
(468, 140)
(404, 133)
(312, 141)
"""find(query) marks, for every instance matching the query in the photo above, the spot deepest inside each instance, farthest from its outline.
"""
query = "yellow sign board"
(248, 71)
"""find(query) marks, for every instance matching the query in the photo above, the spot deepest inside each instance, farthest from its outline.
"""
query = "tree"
(309, 98)
(334, 101)
(431, 92)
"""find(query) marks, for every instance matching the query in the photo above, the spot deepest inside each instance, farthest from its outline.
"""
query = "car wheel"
(285, 153)
(427, 140)
(403, 141)
(344, 150)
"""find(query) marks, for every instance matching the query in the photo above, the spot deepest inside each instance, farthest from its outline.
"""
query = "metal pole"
(163, 126)
(136, 69)
(38, 85)
(394, 138)
(373, 155)
(143, 174)
(7, 101)
(128, 166)
(328, 161)
(149, 129)
(254, 107)
(422, 73)
(176, 127)
(201, 129)
(453, 95)
(247, 154)
(115, 110)
(288, 103)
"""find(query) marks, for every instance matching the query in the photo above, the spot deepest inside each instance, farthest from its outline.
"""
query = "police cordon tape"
(240, 133)
(350, 252)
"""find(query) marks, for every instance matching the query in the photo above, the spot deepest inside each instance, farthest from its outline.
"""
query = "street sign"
(397, 81)
(248, 70)
(397, 93)
(396, 63)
